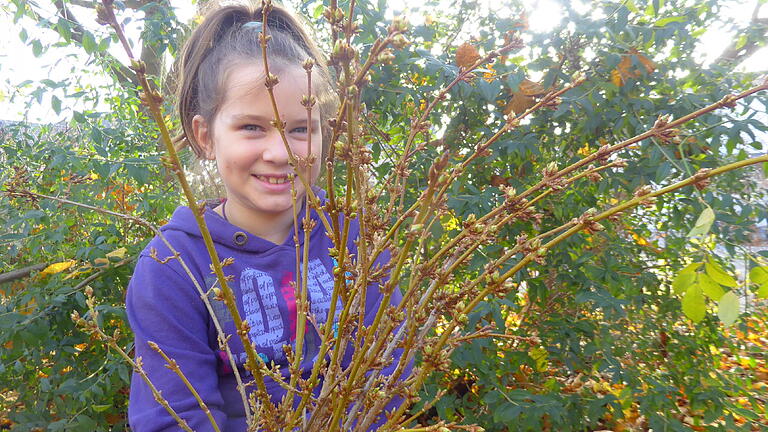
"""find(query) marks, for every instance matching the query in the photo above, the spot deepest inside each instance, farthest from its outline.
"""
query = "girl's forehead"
(247, 79)
(244, 90)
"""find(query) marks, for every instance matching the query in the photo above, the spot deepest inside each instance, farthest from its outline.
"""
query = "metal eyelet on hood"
(240, 238)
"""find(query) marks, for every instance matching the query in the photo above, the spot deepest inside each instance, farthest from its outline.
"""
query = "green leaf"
(729, 308)
(64, 29)
(715, 272)
(101, 408)
(89, 43)
(709, 287)
(37, 48)
(694, 306)
(664, 21)
(762, 292)
(741, 42)
(692, 267)
(759, 275)
(318, 11)
(683, 281)
(56, 104)
(703, 223)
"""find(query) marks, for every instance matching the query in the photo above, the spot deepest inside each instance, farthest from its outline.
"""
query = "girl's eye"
(299, 130)
(252, 128)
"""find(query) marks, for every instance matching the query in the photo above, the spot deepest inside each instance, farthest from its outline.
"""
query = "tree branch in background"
(21, 273)
(124, 75)
(746, 42)
(149, 52)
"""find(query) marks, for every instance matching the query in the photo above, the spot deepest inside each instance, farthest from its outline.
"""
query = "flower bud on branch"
(702, 178)
(643, 191)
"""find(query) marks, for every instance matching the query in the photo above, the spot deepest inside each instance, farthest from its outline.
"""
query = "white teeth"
(273, 180)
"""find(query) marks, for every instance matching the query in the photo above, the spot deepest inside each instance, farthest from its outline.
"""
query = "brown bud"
(728, 101)
(550, 169)
(702, 178)
(102, 15)
(386, 57)
(138, 66)
(642, 191)
(399, 24)
(308, 101)
(264, 38)
(400, 41)
(271, 81)
(278, 124)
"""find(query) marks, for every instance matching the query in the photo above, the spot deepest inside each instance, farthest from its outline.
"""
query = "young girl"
(226, 114)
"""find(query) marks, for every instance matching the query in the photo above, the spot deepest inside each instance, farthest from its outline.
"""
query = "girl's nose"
(275, 151)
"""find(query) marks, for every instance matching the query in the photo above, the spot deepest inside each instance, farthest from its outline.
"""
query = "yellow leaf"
(57, 267)
(621, 73)
(616, 78)
(624, 69)
(539, 356)
(83, 269)
(101, 261)
(639, 239)
(649, 65)
(117, 253)
(28, 308)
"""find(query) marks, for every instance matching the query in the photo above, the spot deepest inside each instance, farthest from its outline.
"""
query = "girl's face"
(251, 156)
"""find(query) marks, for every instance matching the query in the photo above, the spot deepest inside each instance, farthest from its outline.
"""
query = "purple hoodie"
(163, 306)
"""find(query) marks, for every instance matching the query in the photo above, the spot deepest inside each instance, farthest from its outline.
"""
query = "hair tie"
(256, 25)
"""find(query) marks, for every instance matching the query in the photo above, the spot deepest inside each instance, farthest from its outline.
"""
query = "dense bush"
(595, 335)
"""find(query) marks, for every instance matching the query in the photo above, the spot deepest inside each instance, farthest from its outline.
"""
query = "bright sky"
(17, 62)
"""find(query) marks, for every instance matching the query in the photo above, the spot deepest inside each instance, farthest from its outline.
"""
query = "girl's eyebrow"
(236, 118)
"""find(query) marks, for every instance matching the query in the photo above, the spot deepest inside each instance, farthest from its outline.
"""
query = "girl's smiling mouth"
(273, 179)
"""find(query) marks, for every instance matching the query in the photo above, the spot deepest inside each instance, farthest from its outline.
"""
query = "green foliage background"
(598, 306)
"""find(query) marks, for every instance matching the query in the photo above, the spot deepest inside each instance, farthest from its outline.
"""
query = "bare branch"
(21, 273)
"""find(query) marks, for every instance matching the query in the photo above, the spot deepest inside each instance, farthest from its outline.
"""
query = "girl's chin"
(275, 206)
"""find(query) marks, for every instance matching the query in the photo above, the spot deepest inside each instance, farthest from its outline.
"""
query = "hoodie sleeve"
(163, 306)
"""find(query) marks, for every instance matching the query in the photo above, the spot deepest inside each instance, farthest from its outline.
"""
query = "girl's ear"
(203, 136)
